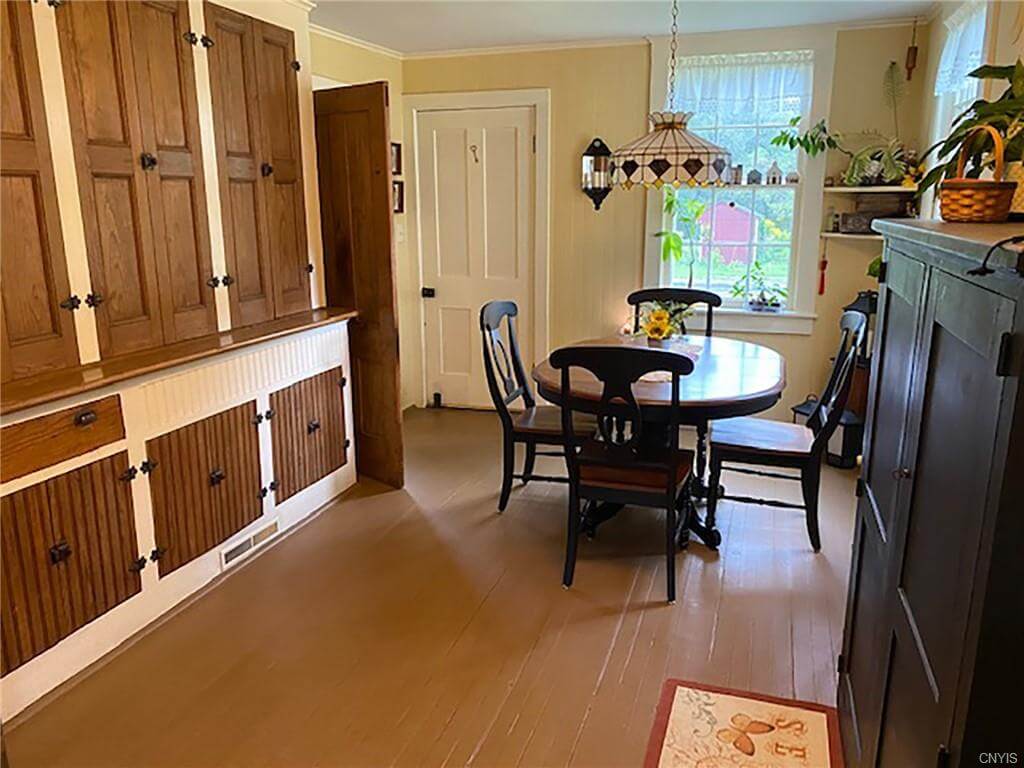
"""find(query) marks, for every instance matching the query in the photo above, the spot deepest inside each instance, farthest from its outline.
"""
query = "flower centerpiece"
(662, 320)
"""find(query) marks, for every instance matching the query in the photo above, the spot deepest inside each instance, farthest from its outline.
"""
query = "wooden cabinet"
(205, 484)
(69, 555)
(938, 515)
(38, 333)
(134, 123)
(309, 435)
(259, 152)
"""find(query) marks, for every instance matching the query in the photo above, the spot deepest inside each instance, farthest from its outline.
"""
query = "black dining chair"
(627, 460)
(761, 442)
(690, 297)
(532, 425)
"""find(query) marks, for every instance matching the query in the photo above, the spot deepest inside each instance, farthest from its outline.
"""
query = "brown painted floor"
(419, 628)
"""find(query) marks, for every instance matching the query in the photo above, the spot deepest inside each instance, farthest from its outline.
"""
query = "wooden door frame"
(540, 100)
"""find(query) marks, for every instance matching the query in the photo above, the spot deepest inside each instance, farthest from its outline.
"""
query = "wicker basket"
(977, 200)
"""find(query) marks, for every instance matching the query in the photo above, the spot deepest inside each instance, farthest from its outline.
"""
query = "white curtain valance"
(776, 81)
(965, 40)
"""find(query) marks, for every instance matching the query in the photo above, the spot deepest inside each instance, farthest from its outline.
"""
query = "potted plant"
(663, 319)
(685, 231)
(970, 135)
(761, 296)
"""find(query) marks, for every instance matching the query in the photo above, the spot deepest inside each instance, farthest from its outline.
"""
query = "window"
(740, 101)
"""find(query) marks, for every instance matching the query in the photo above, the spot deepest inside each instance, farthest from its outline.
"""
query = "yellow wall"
(351, 63)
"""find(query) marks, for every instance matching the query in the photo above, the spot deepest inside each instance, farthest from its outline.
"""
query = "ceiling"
(426, 26)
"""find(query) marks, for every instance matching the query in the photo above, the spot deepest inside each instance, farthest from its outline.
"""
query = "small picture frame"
(396, 159)
(398, 196)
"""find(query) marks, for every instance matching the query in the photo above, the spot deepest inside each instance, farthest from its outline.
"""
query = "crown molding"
(305, 5)
(341, 38)
(529, 48)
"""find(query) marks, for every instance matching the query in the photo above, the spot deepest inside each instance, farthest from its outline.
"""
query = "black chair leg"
(572, 534)
(702, 459)
(714, 480)
(531, 458)
(810, 483)
(507, 470)
(670, 551)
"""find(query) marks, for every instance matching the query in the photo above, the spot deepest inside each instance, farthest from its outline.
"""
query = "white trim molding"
(540, 100)
(316, 29)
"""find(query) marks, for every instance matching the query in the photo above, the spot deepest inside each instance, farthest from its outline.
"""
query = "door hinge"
(93, 300)
(147, 466)
(128, 475)
(157, 553)
(860, 487)
(883, 270)
(296, 65)
(191, 37)
(137, 565)
(1004, 358)
(535, 145)
(942, 757)
(60, 552)
(206, 41)
(840, 664)
(71, 303)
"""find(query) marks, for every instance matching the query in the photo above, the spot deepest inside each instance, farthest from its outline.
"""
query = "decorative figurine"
(774, 175)
(792, 177)
(754, 177)
(736, 176)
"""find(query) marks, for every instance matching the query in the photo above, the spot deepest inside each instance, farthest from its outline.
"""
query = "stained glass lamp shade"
(670, 154)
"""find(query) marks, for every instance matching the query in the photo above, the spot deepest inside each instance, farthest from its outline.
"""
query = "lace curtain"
(965, 39)
(746, 83)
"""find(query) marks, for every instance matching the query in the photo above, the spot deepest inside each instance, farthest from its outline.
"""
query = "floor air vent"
(230, 556)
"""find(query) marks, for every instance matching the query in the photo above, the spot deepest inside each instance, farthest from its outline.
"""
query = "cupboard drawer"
(69, 555)
(38, 443)
(308, 431)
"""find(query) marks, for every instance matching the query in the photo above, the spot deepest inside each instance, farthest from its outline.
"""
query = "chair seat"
(547, 420)
(624, 477)
(753, 435)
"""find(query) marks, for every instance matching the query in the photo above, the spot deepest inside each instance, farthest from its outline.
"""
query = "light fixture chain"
(673, 46)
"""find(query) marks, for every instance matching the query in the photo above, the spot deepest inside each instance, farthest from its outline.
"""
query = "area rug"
(701, 726)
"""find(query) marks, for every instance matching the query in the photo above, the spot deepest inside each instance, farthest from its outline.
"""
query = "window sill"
(738, 320)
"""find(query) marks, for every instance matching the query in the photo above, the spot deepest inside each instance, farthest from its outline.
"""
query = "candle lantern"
(597, 172)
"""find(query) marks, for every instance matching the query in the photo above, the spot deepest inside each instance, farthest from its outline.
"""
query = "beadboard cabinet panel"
(205, 484)
(38, 334)
(237, 131)
(309, 434)
(69, 555)
(99, 76)
(286, 207)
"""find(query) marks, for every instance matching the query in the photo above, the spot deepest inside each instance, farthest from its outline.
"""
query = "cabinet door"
(957, 396)
(100, 81)
(205, 485)
(237, 128)
(282, 162)
(165, 80)
(38, 334)
(900, 309)
(69, 551)
(309, 434)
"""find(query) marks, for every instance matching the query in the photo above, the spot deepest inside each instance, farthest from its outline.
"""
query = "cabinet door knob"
(148, 161)
(93, 300)
(266, 169)
(901, 473)
(85, 418)
(217, 476)
(60, 552)
(313, 426)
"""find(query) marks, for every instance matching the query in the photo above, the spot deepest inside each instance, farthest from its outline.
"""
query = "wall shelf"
(889, 190)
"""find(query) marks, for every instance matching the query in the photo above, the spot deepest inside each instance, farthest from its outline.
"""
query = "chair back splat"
(506, 378)
(826, 415)
(689, 296)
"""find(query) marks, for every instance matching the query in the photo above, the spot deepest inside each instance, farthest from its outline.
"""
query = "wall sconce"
(597, 176)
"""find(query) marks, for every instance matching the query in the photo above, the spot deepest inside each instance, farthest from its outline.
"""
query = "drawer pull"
(85, 418)
(217, 476)
(60, 552)
(313, 426)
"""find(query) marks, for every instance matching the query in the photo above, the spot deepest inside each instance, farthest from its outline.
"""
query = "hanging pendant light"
(670, 153)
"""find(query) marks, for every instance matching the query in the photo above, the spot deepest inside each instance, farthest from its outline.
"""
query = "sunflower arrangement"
(662, 320)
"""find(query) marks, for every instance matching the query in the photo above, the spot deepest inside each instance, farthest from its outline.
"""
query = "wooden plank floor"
(419, 628)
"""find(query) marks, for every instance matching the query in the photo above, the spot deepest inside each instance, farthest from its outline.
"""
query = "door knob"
(901, 473)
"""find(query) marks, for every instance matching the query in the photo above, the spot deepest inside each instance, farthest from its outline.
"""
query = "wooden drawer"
(205, 483)
(69, 555)
(38, 443)
(308, 431)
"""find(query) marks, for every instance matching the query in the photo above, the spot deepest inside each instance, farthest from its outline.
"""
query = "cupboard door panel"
(309, 431)
(282, 150)
(165, 78)
(206, 484)
(91, 509)
(34, 612)
(100, 81)
(237, 131)
(38, 335)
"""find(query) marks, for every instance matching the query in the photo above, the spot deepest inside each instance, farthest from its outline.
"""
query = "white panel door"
(475, 181)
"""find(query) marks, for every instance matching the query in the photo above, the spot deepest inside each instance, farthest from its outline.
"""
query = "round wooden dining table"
(730, 378)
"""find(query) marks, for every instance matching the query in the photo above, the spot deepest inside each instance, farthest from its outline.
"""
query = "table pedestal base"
(595, 513)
